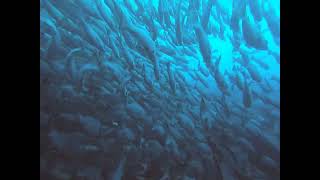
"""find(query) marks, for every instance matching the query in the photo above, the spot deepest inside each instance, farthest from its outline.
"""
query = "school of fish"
(160, 89)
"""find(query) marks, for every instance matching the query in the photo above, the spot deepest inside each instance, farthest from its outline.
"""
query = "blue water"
(160, 89)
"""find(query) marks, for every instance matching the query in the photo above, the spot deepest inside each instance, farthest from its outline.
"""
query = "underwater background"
(160, 89)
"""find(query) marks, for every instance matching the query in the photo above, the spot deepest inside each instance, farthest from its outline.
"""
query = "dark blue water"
(160, 89)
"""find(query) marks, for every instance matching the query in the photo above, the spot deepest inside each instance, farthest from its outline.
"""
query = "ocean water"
(160, 89)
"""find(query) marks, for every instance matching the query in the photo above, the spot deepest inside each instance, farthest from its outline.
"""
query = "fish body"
(178, 25)
(119, 172)
(204, 45)
(53, 10)
(203, 107)
(93, 36)
(256, 9)
(221, 83)
(171, 78)
(202, 79)
(206, 14)
(254, 73)
(246, 96)
(203, 70)
(147, 81)
(252, 36)
(128, 56)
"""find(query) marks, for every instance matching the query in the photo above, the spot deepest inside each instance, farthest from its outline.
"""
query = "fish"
(206, 14)
(70, 64)
(267, 100)
(256, 9)
(140, 6)
(167, 49)
(192, 75)
(84, 70)
(181, 59)
(68, 38)
(204, 45)
(128, 56)
(129, 40)
(266, 86)
(129, 6)
(147, 81)
(89, 7)
(202, 79)
(238, 11)
(252, 36)
(236, 40)
(111, 6)
(178, 25)
(236, 77)
(188, 52)
(275, 78)
(47, 23)
(60, 18)
(203, 70)
(153, 28)
(45, 41)
(254, 73)
(161, 11)
(239, 81)
(105, 13)
(181, 85)
(119, 171)
(261, 63)
(171, 78)
(163, 14)
(246, 95)
(93, 36)
(113, 46)
(156, 69)
(57, 15)
(221, 83)
(202, 92)
(56, 48)
(145, 39)
(69, 144)
(276, 56)
(216, 158)
(246, 59)
(272, 19)
(203, 108)
(90, 125)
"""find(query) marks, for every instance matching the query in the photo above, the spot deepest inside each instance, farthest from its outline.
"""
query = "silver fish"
(171, 78)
